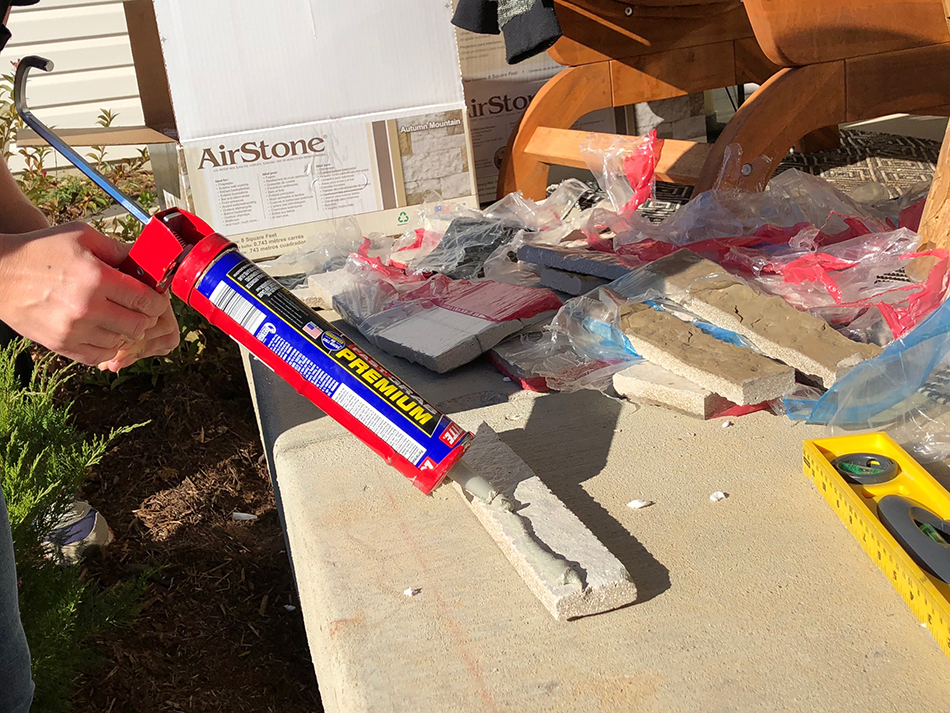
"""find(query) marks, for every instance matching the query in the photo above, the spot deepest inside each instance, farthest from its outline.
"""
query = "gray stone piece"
(441, 339)
(651, 384)
(571, 283)
(606, 584)
(736, 373)
(777, 329)
(580, 260)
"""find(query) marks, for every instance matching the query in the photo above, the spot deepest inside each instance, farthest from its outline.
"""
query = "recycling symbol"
(403, 218)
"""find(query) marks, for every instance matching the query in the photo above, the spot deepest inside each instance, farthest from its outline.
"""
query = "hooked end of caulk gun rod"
(477, 486)
(23, 67)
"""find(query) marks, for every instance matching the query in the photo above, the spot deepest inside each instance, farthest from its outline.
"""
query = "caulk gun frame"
(19, 100)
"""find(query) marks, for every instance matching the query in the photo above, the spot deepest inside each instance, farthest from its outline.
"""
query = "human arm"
(17, 213)
(61, 287)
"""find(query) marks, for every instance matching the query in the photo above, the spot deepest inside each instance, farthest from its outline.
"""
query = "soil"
(220, 627)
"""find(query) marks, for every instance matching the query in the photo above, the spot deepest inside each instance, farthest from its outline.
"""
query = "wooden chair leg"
(569, 95)
(794, 102)
(825, 139)
(935, 222)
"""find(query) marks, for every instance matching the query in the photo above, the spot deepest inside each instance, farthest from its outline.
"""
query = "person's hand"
(61, 288)
(158, 341)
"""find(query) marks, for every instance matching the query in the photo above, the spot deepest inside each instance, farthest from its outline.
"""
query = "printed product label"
(335, 365)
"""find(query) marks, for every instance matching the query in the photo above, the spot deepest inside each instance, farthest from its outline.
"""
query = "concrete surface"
(760, 602)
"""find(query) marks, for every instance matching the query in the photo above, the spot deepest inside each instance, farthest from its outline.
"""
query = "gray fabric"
(16, 682)
(509, 9)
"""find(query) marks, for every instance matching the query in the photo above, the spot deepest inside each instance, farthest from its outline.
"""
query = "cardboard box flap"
(297, 61)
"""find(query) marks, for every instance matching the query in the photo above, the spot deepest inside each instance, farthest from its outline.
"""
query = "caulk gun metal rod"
(19, 100)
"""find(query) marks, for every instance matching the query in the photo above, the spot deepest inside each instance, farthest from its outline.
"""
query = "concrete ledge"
(760, 602)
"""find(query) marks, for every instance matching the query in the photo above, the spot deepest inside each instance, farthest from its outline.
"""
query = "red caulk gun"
(180, 252)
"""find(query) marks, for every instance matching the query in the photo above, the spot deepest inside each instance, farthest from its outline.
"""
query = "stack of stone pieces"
(443, 324)
(573, 268)
(688, 370)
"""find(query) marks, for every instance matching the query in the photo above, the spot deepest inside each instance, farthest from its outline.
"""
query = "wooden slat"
(935, 222)
(898, 82)
(595, 30)
(149, 65)
(801, 32)
(672, 73)
(111, 136)
(752, 66)
(680, 161)
(565, 98)
(791, 104)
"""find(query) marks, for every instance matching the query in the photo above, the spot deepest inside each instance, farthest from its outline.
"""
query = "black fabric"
(479, 16)
(4, 6)
(532, 33)
(526, 35)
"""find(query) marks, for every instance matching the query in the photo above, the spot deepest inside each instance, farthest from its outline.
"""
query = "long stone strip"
(604, 582)
(647, 383)
(777, 329)
(736, 373)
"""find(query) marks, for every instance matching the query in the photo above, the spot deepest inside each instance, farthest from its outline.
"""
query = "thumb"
(110, 251)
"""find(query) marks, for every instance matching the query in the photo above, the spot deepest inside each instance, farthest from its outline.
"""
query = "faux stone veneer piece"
(572, 283)
(443, 323)
(649, 383)
(581, 260)
(777, 329)
(604, 582)
(736, 373)
(325, 285)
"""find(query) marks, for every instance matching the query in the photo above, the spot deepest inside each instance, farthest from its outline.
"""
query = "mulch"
(220, 628)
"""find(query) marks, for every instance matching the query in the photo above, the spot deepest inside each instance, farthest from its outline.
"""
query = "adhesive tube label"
(336, 368)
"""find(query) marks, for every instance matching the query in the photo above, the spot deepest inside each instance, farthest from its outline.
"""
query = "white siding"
(89, 44)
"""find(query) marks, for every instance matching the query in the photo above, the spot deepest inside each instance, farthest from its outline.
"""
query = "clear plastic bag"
(503, 265)
(585, 346)
(543, 360)
(467, 243)
(791, 199)
(438, 322)
(624, 166)
(857, 274)
(905, 391)
(322, 253)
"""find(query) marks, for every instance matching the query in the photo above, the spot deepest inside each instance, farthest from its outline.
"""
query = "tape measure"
(897, 512)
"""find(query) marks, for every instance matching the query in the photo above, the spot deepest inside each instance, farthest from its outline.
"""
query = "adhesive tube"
(319, 362)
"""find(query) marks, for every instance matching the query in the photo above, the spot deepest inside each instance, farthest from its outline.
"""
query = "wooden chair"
(820, 63)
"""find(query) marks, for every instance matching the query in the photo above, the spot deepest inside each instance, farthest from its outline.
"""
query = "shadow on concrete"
(566, 442)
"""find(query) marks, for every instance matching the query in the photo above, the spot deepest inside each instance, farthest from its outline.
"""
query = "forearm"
(17, 214)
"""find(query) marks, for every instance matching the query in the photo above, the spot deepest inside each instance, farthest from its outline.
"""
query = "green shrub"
(43, 461)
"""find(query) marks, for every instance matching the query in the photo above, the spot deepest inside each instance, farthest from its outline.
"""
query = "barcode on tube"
(230, 301)
(357, 406)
